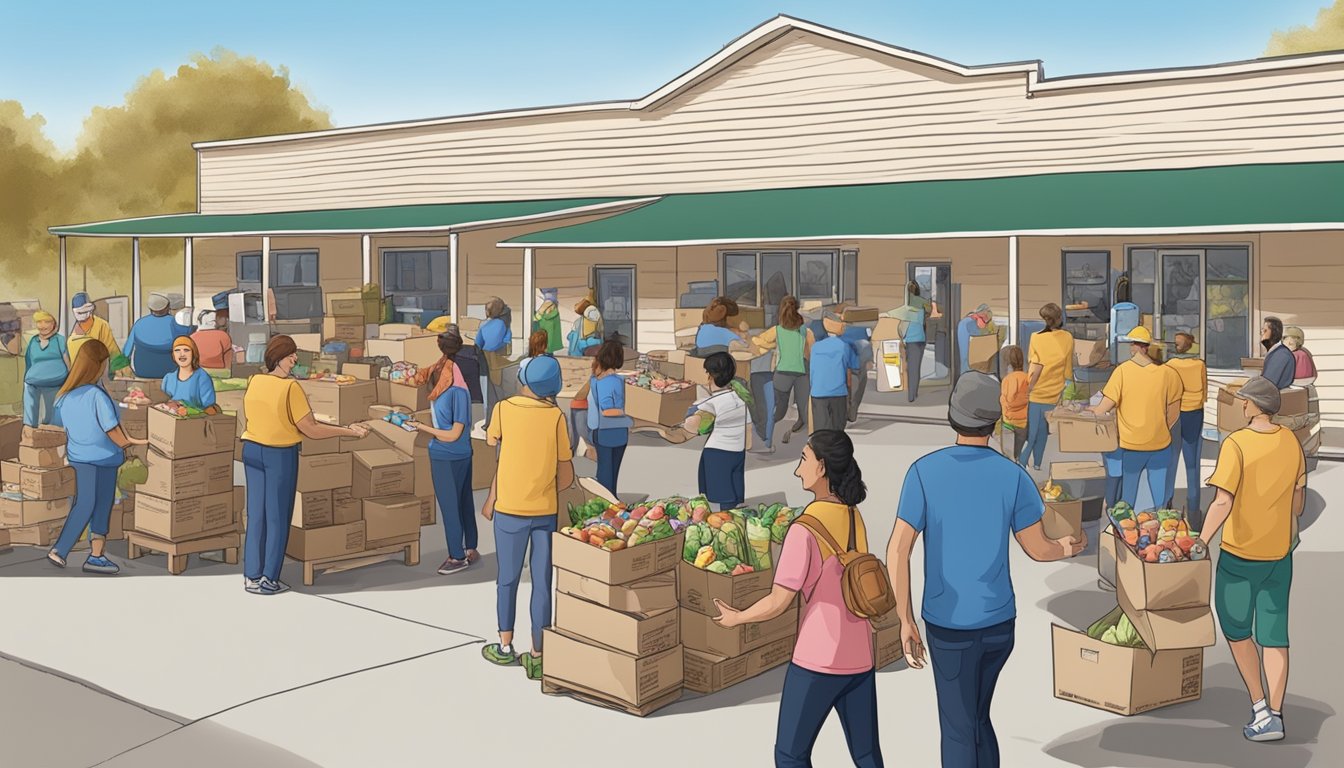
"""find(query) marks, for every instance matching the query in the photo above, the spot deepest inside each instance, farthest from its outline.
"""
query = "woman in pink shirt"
(833, 660)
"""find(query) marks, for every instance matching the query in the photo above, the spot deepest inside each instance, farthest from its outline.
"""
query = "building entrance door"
(616, 301)
(935, 284)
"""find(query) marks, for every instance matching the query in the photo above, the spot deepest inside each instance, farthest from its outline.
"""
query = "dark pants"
(610, 445)
(829, 413)
(514, 534)
(95, 491)
(914, 361)
(1038, 434)
(1019, 435)
(272, 477)
(452, 490)
(1186, 435)
(762, 405)
(807, 701)
(722, 477)
(790, 386)
(966, 667)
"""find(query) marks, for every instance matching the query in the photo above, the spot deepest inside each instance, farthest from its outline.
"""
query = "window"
(249, 268)
(816, 275)
(849, 276)
(1227, 308)
(417, 277)
(293, 269)
(1204, 292)
(740, 277)
(1087, 282)
(763, 278)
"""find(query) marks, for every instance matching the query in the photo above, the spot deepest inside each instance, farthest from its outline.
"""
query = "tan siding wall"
(801, 111)
(215, 264)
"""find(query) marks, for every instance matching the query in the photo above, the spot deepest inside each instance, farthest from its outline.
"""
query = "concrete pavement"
(381, 665)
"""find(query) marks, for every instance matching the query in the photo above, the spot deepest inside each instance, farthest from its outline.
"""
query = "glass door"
(935, 284)
(1180, 305)
(616, 301)
(776, 283)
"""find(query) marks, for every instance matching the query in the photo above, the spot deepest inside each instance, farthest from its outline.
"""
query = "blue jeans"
(578, 428)
(272, 476)
(610, 446)
(1114, 476)
(1038, 432)
(452, 490)
(95, 491)
(807, 701)
(966, 667)
(1134, 463)
(513, 534)
(1186, 435)
(39, 405)
(763, 405)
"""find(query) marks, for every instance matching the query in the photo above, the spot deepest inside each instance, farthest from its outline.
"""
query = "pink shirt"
(1306, 367)
(831, 640)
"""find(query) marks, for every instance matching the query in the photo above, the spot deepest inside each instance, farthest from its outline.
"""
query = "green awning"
(1249, 197)
(348, 221)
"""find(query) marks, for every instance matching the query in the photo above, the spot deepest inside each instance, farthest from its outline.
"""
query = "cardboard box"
(343, 328)
(1087, 353)
(852, 315)
(345, 508)
(709, 673)
(342, 404)
(40, 484)
(17, 514)
(1127, 681)
(647, 596)
(182, 438)
(1077, 470)
(405, 396)
(42, 457)
(635, 634)
(423, 351)
(695, 372)
(135, 420)
(429, 507)
(42, 437)
(1106, 556)
(610, 674)
(345, 303)
(331, 541)
(670, 363)
(391, 516)
(312, 510)
(1230, 415)
(889, 355)
(697, 589)
(361, 371)
(1063, 518)
(121, 386)
(369, 442)
(182, 478)
(401, 331)
(408, 443)
(665, 408)
(887, 648)
(307, 342)
(11, 431)
(230, 402)
(621, 567)
(185, 518)
(310, 447)
(383, 472)
(1295, 401)
(1253, 365)
(324, 472)
(11, 473)
(1083, 432)
(1167, 602)
(40, 535)
(484, 463)
(983, 353)
(700, 633)
(4, 538)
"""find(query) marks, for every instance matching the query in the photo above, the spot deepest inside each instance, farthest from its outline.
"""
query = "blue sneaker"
(100, 565)
(269, 587)
(1268, 728)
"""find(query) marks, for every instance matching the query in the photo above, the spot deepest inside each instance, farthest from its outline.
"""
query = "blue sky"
(392, 60)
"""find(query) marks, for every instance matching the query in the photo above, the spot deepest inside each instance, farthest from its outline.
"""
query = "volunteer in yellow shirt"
(534, 464)
(278, 419)
(1261, 481)
(1187, 433)
(90, 326)
(1146, 398)
(1051, 365)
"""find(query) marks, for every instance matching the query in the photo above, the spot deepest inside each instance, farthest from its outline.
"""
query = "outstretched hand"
(728, 617)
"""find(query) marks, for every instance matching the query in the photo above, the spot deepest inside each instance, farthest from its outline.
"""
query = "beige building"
(806, 160)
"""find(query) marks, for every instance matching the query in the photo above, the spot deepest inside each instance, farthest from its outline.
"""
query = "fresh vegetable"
(1115, 628)
(741, 569)
(758, 542)
(132, 472)
(612, 526)
(704, 557)
(718, 566)
(1052, 492)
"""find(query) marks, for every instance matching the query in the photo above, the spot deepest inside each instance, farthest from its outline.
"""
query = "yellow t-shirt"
(1053, 351)
(1261, 470)
(1194, 379)
(1141, 394)
(99, 330)
(532, 439)
(835, 517)
(274, 408)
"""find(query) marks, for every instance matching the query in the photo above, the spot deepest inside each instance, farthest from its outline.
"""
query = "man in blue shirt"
(858, 338)
(967, 500)
(1280, 365)
(834, 363)
(968, 327)
(149, 346)
(494, 340)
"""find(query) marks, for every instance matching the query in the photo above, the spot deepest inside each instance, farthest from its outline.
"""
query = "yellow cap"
(1140, 335)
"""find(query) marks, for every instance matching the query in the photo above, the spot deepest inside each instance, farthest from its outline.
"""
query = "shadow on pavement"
(762, 688)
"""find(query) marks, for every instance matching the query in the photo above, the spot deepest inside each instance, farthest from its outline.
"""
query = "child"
(723, 462)
(1013, 397)
(607, 421)
(534, 463)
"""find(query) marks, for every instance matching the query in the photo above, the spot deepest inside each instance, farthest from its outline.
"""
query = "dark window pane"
(816, 275)
(849, 291)
(1227, 326)
(776, 282)
(739, 278)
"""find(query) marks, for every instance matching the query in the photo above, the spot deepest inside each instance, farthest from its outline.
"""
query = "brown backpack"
(865, 582)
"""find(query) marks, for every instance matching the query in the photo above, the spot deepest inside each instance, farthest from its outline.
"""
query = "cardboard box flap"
(1173, 629)
(581, 492)
(1077, 470)
(1162, 586)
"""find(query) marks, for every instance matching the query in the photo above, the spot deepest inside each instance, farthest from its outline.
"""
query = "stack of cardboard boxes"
(1298, 411)
(616, 639)
(716, 657)
(37, 484)
(346, 321)
(188, 495)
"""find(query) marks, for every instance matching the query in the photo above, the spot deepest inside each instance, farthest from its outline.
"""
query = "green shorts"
(1253, 595)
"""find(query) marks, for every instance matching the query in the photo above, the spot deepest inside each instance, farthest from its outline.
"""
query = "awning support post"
(188, 273)
(64, 312)
(266, 278)
(366, 247)
(1013, 284)
(453, 286)
(135, 278)
(529, 292)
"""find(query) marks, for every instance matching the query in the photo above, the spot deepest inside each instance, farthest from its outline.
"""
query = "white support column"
(266, 277)
(189, 274)
(64, 312)
(366, 247)
(135, 278)
(529, 291)
(453, 286)
(1013, 284)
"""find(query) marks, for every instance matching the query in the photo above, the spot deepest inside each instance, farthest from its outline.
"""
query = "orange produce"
(1132, 537)
(1128, 524)
(1145, 517)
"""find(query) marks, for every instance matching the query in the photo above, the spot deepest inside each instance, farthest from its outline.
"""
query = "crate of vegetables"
(616, 544)
(650, 396)
(727, 556)
(180, 431)
(1163, 579)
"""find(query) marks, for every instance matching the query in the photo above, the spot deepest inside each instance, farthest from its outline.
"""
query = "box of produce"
(1164, 587)
(637, 634)
(181, 432)
(1106, 557)
(128, 389)
(1063, 513)
(711, 673)
(655, 398)
(649, 595)
(613, 543)
(727, 555)
(609, 676)
(1081, 431)
(1109, 668)
(701, 633)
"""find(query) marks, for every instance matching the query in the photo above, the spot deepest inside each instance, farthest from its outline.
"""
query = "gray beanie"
(975, 400)
(1263, 393)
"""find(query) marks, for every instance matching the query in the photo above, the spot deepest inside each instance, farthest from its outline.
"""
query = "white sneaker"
(252, 585)
(1266, 728)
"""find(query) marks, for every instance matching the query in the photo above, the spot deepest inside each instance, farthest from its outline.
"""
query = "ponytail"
(836, 452)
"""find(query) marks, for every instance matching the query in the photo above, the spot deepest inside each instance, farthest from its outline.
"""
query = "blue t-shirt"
(494, 336)
(197, 391)
(46, 367)
(149, 346)
(966, 528)
(1280, 367)
(88, 413)
(715, 336)
(832, 357)
(450, 408)
(818, 329)
(604, 394)
(967, 328)
(914, 329)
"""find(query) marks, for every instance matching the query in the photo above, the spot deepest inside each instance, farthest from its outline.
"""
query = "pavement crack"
(402, 618)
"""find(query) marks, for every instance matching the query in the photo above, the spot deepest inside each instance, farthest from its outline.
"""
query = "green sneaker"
(532, 664)
(495, 654)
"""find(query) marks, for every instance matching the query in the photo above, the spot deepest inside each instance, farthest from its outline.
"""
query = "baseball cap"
(1263, 393)
(79, 300)
(975, 400)
(157, 302)
(541, 374)
(1139, 335)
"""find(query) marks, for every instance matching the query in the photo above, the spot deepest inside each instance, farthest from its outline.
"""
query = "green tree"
(1327, 34)
(30, 171)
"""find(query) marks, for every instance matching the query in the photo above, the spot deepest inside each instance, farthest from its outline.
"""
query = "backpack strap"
(853, 532)
(819, 530)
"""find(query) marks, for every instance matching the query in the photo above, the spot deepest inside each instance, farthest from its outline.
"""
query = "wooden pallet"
(552, 687)
(376, 552)
(675, 435)
(138, 543)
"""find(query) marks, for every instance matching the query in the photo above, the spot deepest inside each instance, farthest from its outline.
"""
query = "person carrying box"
(1187, 433)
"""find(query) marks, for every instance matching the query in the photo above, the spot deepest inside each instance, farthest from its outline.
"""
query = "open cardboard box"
(647, 596)
(1127, 681)
(1084, 432)
(1168, 603)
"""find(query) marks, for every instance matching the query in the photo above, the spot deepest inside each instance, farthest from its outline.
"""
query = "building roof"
(772, 30)
(1229, 199)
(347, 221)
